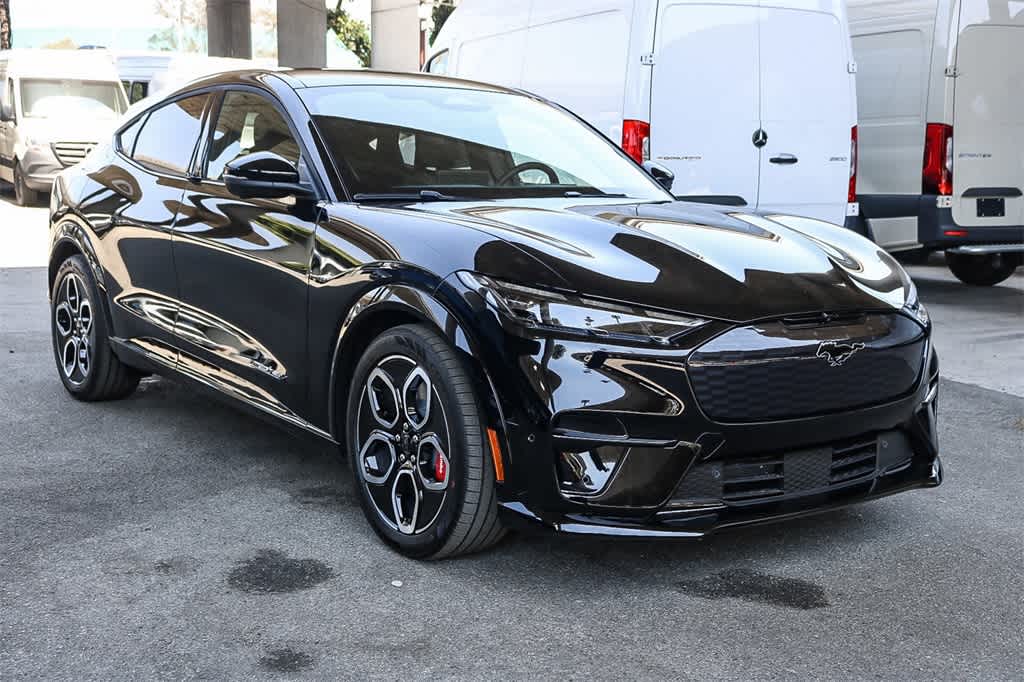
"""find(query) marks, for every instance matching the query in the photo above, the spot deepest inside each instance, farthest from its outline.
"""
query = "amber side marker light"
(499, 465)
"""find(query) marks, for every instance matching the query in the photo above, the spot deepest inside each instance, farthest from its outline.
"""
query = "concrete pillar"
(229, 28)
(302, 33)
(395, 35)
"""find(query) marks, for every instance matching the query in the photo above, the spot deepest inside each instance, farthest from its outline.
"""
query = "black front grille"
(765, 477)
(792, 368)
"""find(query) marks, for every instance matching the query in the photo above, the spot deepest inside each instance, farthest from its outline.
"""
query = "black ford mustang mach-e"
(499, 316)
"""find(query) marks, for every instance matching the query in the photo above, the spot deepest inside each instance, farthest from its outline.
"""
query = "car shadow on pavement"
(316, 477)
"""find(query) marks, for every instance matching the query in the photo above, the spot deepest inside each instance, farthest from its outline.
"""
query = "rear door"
(705, 97)
(988, 124)
(806, 112)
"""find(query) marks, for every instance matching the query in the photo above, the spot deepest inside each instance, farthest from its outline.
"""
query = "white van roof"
(94, 65)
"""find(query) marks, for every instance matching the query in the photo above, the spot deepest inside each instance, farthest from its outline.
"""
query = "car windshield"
(61, 98)
(400, 139)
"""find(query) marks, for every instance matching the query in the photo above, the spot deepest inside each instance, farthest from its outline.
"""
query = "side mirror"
(264, 175)
(6, 112)
(662, 175)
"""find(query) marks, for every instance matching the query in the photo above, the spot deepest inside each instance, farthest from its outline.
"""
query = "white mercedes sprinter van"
(747, 102)
(56, 105)
(940, 92)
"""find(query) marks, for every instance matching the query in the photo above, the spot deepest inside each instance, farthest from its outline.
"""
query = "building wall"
(395, 35)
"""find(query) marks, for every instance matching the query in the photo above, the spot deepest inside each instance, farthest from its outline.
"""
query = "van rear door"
(704, 97)
(988, 126)
(807, 112)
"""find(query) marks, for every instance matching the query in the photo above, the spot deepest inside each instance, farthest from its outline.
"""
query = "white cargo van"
(941, 101)
(744, 101)
(56, 105)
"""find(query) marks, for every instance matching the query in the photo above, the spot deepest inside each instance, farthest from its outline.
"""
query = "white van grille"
(70, 153)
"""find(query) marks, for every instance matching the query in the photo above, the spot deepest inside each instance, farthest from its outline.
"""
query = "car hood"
(691, 258)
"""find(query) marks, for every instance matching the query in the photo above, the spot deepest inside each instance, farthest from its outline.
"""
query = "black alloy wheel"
(417, 447)
(86, 364)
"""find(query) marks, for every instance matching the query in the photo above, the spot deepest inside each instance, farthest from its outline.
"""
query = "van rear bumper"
(936, 229)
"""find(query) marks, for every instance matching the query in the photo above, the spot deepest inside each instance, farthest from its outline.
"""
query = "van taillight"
(636, 139)
(937, 175)
(851, 194)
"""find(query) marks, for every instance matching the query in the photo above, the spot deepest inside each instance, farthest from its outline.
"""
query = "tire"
(86, 364)
(419, 463)
(23, 194)
(983, 271)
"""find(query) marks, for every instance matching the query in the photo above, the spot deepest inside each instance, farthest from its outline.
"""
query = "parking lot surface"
(169, 536)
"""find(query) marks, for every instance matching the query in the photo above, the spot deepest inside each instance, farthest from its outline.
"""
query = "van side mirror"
(661, 174)
(264, 175)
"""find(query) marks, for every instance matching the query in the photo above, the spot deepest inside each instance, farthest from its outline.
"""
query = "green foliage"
(442, 10)
(354, 34)
(188, 26)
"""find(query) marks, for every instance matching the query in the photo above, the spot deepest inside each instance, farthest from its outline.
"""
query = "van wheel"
(417, 447)
(982, 271)
(86, 364)
(23, 194)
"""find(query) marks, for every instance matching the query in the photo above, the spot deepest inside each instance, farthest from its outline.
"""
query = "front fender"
(394, 303)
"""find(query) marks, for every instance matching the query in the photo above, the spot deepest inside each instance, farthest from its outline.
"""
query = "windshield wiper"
(571, 194)
(422, 195)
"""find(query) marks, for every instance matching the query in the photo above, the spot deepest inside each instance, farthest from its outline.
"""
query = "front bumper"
(559, 395)
(40, 167)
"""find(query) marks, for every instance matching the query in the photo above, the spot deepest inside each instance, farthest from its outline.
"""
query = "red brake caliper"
(440, 467)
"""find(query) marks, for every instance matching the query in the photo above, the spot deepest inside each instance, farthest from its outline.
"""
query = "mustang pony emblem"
(837, 353)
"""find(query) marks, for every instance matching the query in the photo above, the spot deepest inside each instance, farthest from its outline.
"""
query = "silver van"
(54, 107)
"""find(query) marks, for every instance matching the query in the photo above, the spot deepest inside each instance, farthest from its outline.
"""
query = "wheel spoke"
(405, 501)
(416, 398)
(383, 398)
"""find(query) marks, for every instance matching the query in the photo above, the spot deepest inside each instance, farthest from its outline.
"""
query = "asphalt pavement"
(170, 536)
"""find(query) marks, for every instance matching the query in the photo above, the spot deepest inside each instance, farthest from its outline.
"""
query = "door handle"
(784, 159)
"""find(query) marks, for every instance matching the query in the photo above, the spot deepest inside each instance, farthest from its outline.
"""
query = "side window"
(126, 138)
(168, 137)
(248, 123)
(438, 63)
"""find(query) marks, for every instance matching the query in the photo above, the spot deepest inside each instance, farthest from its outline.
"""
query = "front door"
(243, 267)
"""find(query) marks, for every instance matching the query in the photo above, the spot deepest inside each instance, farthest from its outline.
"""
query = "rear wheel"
(985, 271)
(23, 194)
(86, 364)
(417, 447)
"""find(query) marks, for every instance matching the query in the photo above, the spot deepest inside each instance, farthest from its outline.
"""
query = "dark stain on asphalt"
(286, 661)
(270, 571)
(740, 583)
(323, 496)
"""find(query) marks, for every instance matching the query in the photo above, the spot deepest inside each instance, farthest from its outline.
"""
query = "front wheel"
(984, 271)
(416, 443)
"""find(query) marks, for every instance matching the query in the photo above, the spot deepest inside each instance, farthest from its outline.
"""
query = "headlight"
(36, 142)
(915, 307)
(563, 313)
